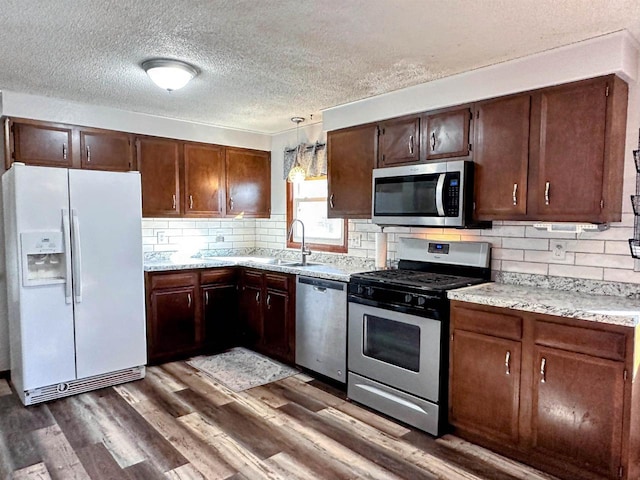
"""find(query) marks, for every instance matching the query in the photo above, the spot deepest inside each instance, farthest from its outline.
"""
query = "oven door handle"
(440, 195)
(364, 333)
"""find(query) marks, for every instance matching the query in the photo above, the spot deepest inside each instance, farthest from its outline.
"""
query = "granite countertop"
(583, 306)
(325, 270)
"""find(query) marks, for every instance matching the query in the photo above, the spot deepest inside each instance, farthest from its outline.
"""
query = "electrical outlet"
(355, 240)
(161, 235)
(219, 238)
(559, 249)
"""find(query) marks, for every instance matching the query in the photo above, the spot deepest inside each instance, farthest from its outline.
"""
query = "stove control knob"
(370, 291)
(408, 297)
(421, 301)
(360, 290)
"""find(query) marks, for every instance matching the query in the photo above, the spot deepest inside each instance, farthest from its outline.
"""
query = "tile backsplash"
(518, 247)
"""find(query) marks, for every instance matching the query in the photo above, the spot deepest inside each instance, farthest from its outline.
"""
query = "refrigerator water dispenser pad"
(42, 258)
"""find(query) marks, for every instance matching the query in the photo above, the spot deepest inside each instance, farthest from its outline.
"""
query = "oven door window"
(392, 342)
(411, 195)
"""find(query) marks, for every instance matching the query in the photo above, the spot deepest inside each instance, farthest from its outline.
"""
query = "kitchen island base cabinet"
(562, 388)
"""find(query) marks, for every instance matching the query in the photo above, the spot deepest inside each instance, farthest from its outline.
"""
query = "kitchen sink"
(265, 261)
(300, 265)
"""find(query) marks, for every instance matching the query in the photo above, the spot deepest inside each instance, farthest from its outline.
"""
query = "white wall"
(63, 111)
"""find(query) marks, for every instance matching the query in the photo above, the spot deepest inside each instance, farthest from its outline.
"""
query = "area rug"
(241, 369)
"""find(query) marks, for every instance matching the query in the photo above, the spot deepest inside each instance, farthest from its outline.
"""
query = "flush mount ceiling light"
(169, 74)
(297, 174)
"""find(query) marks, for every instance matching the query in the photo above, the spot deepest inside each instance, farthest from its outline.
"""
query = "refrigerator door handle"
(66, 228)
(77, 258)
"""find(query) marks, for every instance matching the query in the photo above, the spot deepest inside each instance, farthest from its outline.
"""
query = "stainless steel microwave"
(436, 194)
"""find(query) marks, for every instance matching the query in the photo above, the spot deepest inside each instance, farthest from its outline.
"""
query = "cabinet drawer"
(252, 278)
(169, 280)
(218, 275)
(277, 282)
(487, 322)
(598, 343)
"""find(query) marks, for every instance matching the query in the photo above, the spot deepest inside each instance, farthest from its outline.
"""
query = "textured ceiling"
(264, 61)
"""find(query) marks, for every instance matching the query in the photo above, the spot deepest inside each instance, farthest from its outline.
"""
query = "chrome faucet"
(304, 251)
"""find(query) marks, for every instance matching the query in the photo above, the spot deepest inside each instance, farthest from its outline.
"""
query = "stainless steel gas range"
(398, 329)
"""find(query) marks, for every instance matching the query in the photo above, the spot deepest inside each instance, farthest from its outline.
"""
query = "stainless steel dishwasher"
(321, 326)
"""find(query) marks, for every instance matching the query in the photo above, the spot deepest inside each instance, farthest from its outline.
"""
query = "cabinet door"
(485, 385)
(220, 315)
(42, 144)
(567, 151)
(276, 328)
(502, 158)
(399, 142)
(447, 134)
(577, 409)
(351, 157)
(251, 314)
(203, 180)
(101, 150)
(159, 165)
(248, 182)
(173, 326)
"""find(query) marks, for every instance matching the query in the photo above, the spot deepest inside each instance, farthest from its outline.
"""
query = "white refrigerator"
(75, 284)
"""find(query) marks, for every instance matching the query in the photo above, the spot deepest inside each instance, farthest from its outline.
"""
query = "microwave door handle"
(440, 195)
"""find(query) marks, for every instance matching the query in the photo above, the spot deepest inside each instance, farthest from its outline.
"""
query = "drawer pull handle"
(230, 203)
(543, 370)
(257, 297)
(64, 151)
(515, 194)
(88, 154)
(174, 201)
(206, 298)
(331, 201)
(269, 302)
(507, 362)
(433, 141)
(546, 193)
(189, 299)
(191, 202)
(410, 144)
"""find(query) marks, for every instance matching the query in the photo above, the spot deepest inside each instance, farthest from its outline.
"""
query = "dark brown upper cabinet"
(203, 180)
(248, 183)
(159, 164)
(39, 143)
(502, 157)
(106, 150)
(399, 142)
(58, 145)
(577, 151)
(351, 157)
(446, 133)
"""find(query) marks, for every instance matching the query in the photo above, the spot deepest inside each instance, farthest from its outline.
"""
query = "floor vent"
(53, 392)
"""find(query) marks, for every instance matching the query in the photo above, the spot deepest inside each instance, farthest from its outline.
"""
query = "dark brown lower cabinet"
(550, 391)
(190, 313)
(219, 297)
(268, 313)
(173, 320)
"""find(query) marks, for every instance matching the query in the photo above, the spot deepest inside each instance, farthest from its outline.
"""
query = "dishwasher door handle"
(320, 289)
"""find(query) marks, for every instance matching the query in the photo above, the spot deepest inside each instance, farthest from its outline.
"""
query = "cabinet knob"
(515, 194)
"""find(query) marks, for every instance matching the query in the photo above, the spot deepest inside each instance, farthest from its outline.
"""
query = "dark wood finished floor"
(177, 424)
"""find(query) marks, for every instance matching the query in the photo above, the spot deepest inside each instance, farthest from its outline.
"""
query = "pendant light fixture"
(297, 174)
(169, 74)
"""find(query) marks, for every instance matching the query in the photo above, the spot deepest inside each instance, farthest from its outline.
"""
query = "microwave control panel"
(452, 195)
